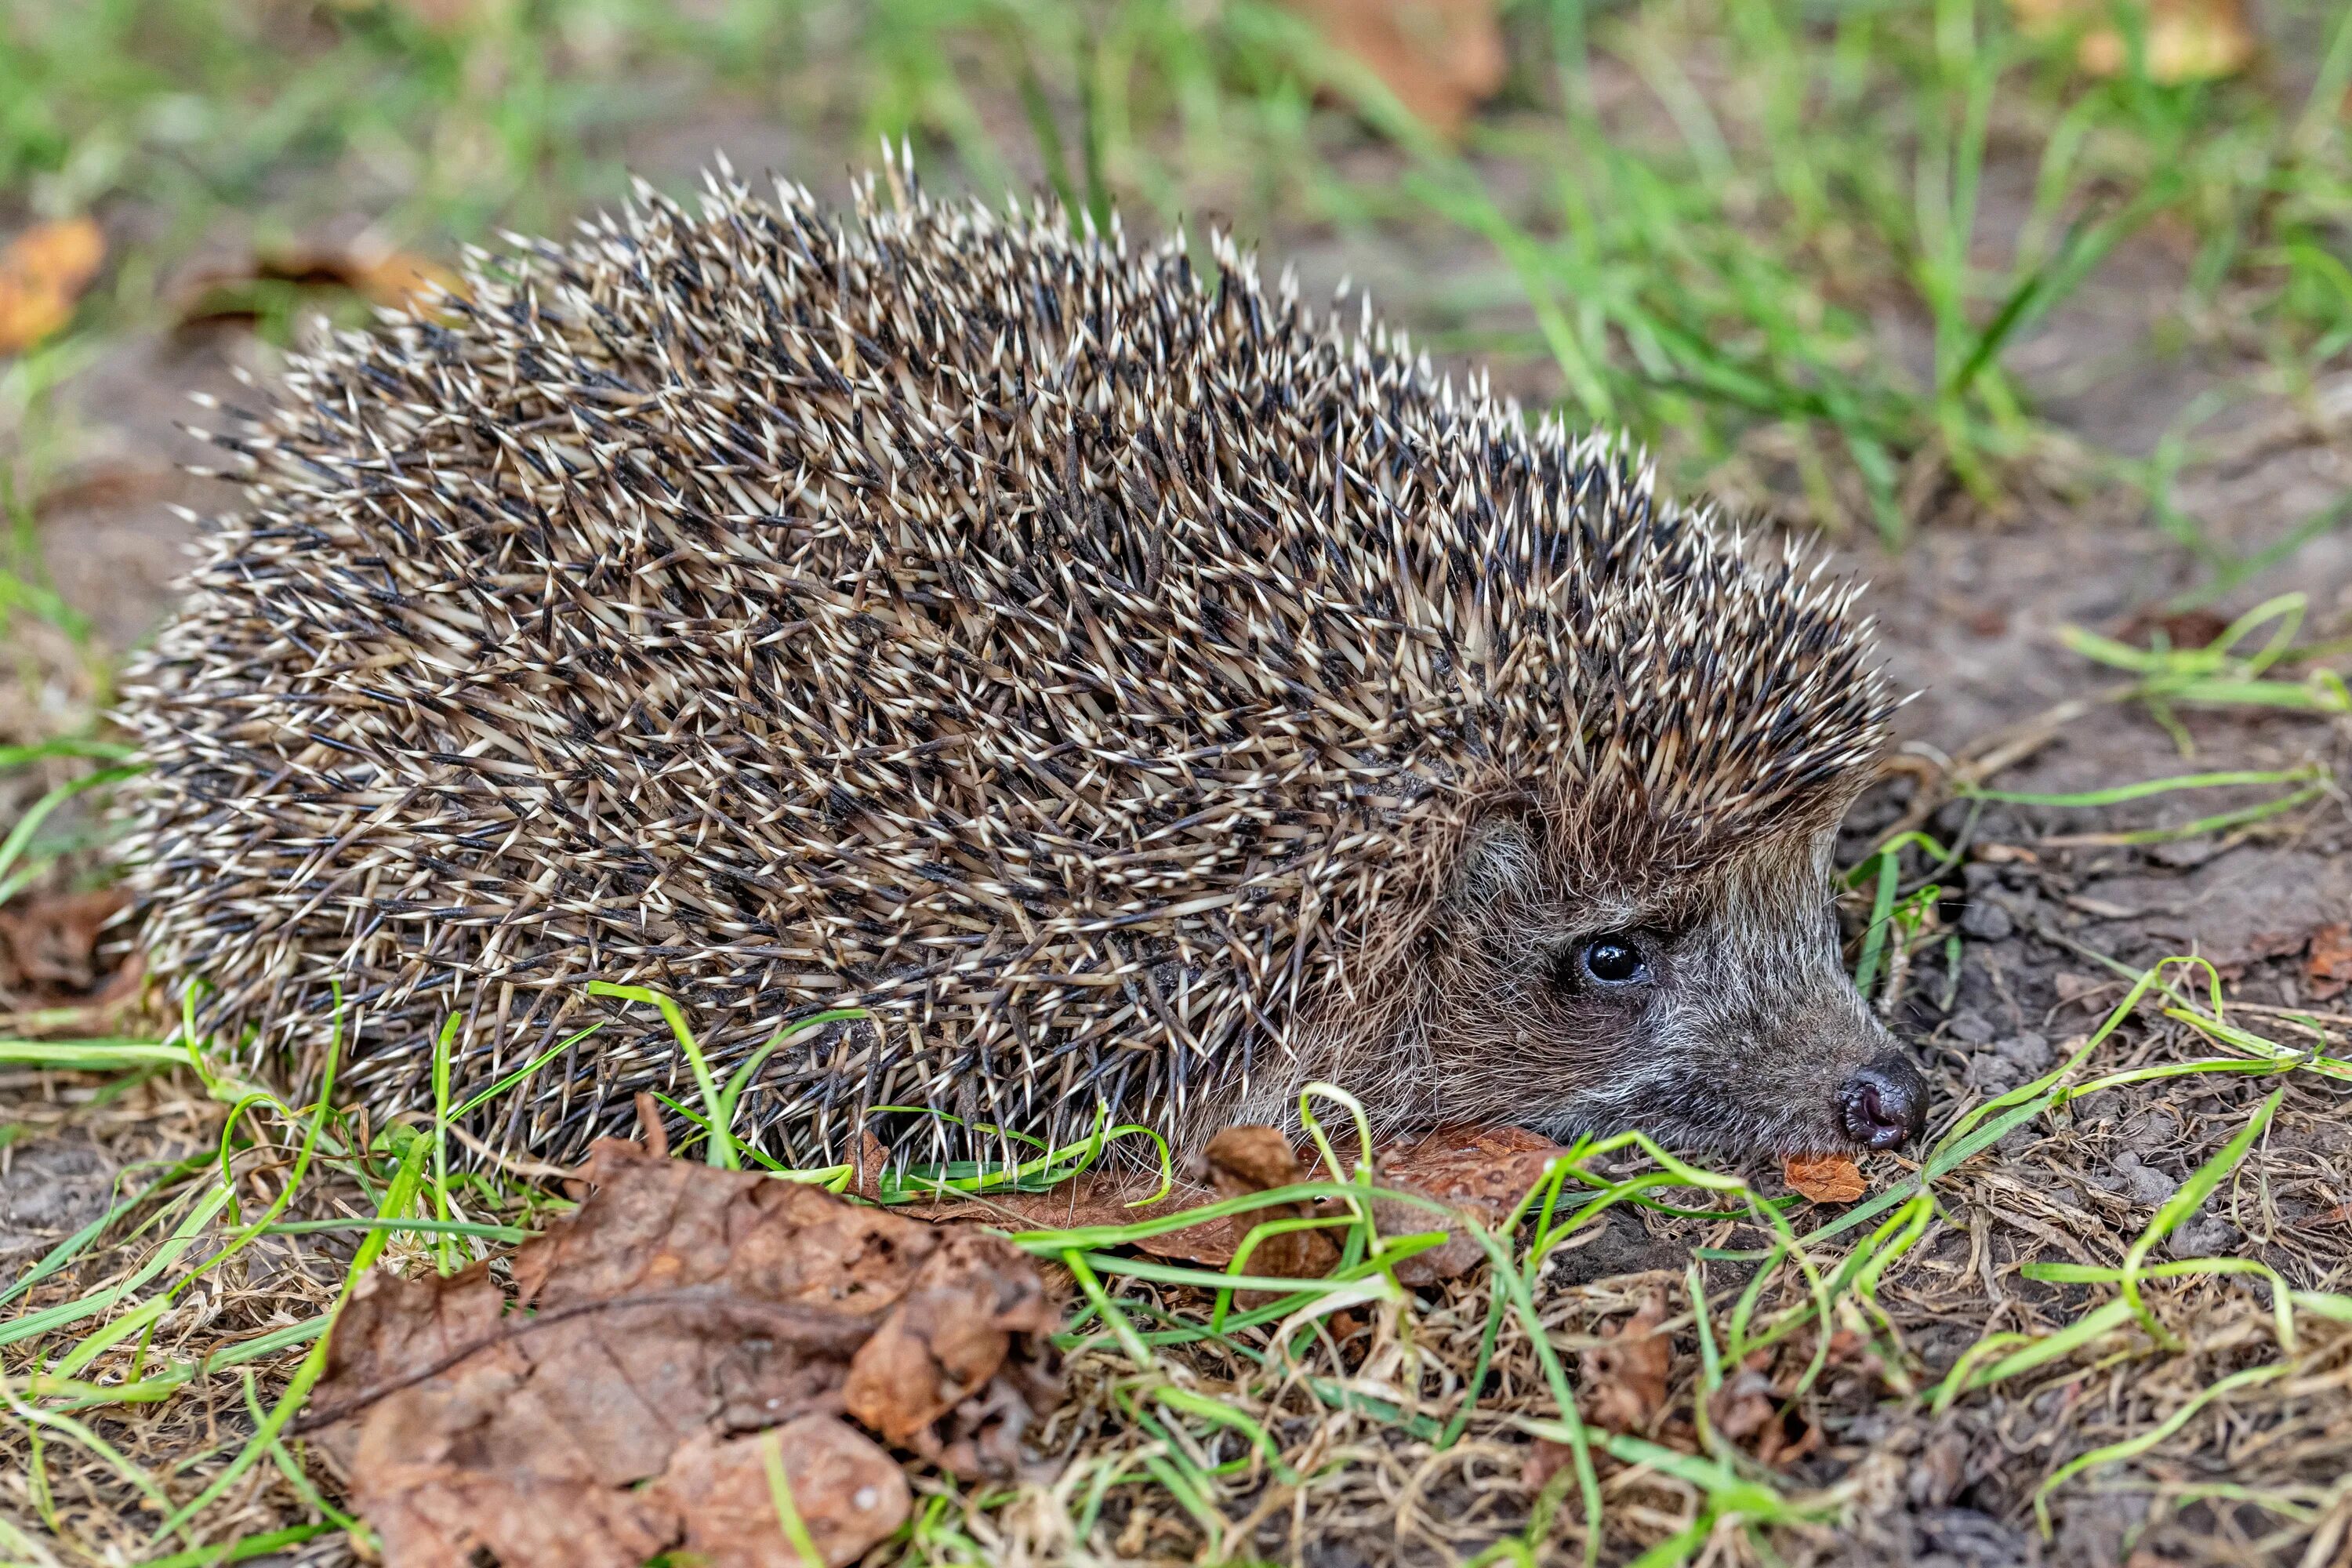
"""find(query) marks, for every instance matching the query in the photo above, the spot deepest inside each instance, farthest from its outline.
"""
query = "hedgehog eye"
(1608, 960)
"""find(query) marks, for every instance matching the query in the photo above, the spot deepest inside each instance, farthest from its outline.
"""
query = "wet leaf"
(1483, 1171)
(42, 272)
(1485, 1168)
(1096, 1198)
(615, 1409)
(1824, 1178)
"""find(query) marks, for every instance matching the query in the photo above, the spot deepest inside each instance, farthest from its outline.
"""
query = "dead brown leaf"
(1754, 1408)
(1789, 1439)
(2329, 967)
(1824, 1178)
(684, 1316)
(1245, 1159)
(1486, 1168)
(1743, 1405)
(2186, 40)
(1626, 1380)
(49, 951)
(842, 1484)
(1482, 1171)
(946, 1339)
(1098, 1197)
(1441, 58)
(42, 272)
(1545, 1459)
(1757, 1411)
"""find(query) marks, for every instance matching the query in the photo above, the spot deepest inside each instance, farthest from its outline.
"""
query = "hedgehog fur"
(1142, 696)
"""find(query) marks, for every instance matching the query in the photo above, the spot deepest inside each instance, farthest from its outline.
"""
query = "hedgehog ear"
(1499, 859)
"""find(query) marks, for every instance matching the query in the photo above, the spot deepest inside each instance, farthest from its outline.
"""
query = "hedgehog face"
(1716, 1015)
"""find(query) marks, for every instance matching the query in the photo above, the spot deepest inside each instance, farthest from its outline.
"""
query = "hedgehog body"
(1137, 696)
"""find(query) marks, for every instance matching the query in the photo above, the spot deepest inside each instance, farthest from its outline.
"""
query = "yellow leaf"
(42, 272)
(1824, 1178)
(2186, 40)
(1440, 57)
(403, 281)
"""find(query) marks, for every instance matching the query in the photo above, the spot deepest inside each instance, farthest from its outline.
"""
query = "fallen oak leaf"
(1824, 1178)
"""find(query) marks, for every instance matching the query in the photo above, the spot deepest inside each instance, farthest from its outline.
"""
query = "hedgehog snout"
(1884, 1104)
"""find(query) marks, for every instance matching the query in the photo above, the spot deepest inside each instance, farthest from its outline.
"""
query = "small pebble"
(2152, 1129)
(1994, 1073)
(1987, 923)
(2029, 1051)
(2146, 1183)
(2204, 1236)
(1969, 1029)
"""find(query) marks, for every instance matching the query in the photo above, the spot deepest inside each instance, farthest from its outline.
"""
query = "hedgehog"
(1092, 686)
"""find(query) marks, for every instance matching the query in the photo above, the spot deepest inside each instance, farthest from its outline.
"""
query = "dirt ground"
(1969, 616)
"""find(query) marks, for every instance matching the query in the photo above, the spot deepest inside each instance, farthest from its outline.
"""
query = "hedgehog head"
(1623, 911)
(1712, 1010)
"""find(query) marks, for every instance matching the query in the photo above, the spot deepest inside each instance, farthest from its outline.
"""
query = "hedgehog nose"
(1884, 1104)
